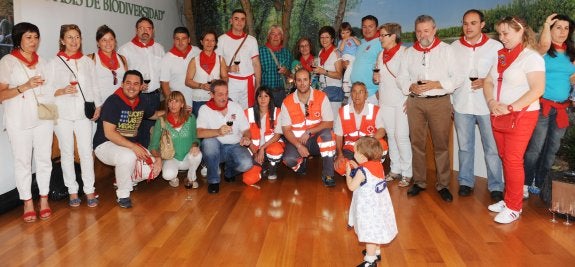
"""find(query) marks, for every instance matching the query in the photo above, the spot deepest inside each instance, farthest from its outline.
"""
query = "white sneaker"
(497, 207)
(204, 171)
(194, 183)
(507, 216)
(525, 192)
(272, 177)
(174, 182)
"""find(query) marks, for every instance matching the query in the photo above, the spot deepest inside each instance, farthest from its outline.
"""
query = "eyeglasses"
(306, 110)
(115, 77)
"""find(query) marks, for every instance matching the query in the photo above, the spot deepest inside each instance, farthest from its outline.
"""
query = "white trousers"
(171, 167)
(23, 142)
(347, 73)
(238, 91)
(65, 131)
(397, 128)
(124, 161)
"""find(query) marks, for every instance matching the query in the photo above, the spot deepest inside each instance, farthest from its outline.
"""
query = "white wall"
(48, 15)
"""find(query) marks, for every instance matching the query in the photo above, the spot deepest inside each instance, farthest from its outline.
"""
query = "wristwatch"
(510, 108)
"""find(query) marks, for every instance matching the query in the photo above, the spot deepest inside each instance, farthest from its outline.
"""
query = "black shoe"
(272, 172)
(445, 195)
(328, 181)
(125, 202)
(465, 191)
(230, 179)
(213, 188)
(367, 264)
(414, 190)
(302, 167)
(496, 196)
(364, 252)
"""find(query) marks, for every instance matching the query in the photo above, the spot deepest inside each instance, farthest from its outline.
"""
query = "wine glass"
(473, 75)
(420, 78)
(188, 185)
(73, 81)
(147, 78)
(554, 209)
(376, 67)
(315, 63)
(568, 213)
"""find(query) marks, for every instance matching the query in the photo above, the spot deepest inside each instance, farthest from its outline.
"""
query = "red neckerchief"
(120, 92)
(77, 55)
(484, 40)
(324, 54)
(306, 64)
(505, 57)
(388, 54)
(179, 53)
(137, 42)
(17, 54)
(369, 39)
(419, 48)
(375, 168)
(562, 118)
(110, 62)
(562, 46)
(212, 104)
(231, 34)
(171, 118)
(274, 48)
(207, 62)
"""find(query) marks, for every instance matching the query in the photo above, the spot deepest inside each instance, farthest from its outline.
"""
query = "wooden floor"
(293, 221)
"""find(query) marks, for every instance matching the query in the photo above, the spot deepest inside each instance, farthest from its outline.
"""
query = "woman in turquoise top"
(558, 50)
(182, 127)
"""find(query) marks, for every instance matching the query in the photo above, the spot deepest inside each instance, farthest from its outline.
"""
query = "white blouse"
(105, 77)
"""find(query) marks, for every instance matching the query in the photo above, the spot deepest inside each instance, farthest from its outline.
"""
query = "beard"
(425, 42)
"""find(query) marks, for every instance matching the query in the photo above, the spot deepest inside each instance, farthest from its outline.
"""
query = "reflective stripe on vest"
(299, 122)
(351, 133)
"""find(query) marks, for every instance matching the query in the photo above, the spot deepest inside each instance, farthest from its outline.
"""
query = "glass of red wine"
(73, 81)
(147, 78)
(376, 68)
(473, 75)
(188, 185)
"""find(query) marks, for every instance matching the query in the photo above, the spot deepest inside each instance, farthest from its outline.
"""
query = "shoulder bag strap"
(238, 50)
(80, 87)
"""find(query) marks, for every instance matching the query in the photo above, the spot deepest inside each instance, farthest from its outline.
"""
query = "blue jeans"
(542, 148)
(237, 158)
(291, 155)
(465, 127)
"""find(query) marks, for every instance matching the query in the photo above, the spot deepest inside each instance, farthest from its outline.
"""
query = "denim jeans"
(291, 155)
(237, 159)
(465, 127)
(196, 105)
(542, 148)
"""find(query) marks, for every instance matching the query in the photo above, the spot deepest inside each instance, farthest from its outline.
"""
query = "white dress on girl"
(371, 212)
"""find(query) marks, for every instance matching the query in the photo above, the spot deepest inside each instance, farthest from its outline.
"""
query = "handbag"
(89, 107)
(47, 111)
(166, 145)
(505, 123)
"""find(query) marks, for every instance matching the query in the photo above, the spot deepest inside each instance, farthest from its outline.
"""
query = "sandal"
(392, 176)
(45, 213)
(404, 181)
(29, 216)
(75, 202)
(92, 202)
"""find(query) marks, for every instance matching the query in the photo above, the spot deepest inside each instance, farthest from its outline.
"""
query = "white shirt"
(105, 77)
(329, 65)
(212, 119)
(437, 65)
(145, 60)
(482, 58)
(201, 76)
(227, 47)
(71, 106)
(515, 83)
(174, 69)
(337, 126)
(390, 94)
(21, 112)
(326, 113)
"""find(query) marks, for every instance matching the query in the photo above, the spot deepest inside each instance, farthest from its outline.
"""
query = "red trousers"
(511, 147)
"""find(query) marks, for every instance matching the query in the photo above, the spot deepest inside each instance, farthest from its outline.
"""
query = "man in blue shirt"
(365, 57)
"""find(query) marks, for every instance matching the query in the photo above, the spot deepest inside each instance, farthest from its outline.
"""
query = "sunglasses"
(115, 77)
(306, 110)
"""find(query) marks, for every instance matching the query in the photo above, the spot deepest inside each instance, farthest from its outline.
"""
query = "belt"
(426, 96)
(157, 91)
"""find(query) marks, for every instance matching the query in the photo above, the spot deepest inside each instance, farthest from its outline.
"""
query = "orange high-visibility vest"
(299, 122)
(255, 131)
(350, 132)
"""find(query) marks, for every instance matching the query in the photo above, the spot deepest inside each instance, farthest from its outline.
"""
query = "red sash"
(251, 87)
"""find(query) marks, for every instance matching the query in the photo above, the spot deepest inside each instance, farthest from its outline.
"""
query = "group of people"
(228, 102)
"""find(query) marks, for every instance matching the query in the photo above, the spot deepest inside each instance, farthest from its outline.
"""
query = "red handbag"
(505, 123)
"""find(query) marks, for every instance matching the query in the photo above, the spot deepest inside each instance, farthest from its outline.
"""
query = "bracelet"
(18, 89)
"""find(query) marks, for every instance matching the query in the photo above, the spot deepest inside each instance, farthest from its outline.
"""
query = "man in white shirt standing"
(240, 51)
(476, 54)
(144, 55)
(428, 75)
(174, 65)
